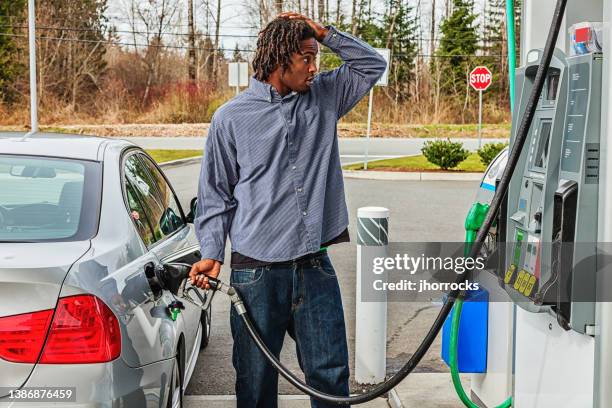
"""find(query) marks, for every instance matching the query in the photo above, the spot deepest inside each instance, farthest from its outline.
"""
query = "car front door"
(173, 239)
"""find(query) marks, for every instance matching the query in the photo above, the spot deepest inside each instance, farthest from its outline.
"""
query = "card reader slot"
(564, 226)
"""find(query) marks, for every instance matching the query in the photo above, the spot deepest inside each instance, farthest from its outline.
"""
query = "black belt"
(300, 260)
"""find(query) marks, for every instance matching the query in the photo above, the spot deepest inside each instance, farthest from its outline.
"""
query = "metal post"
(480, 119)
(33, 84)
(365, 162)
(371, 324)
(238, 79)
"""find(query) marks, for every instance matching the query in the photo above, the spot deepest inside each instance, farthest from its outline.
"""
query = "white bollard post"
(370, 317)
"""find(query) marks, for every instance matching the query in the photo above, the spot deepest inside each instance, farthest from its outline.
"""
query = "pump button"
(525, 281)
(529, 288)
(509, 274)
(519, 280)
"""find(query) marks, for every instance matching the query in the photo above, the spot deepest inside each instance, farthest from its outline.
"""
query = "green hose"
(473, 222)
(511, 48)
(454, 341)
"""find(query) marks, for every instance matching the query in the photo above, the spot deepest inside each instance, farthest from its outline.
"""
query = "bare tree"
(217, 31)
(150, 21)
(71, 61)
(354, 18)
(193, 63)
(432, 46)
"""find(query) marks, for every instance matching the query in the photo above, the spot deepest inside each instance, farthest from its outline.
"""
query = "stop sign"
(481, 78)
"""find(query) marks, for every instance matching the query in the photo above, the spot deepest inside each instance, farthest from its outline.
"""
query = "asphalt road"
(351, 149)
(419, 211)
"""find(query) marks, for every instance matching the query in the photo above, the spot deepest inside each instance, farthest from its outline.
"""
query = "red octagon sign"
(481, 78)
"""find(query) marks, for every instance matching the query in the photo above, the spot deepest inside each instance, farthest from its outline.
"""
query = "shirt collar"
(265, 90)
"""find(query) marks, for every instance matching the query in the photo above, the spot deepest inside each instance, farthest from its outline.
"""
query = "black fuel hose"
(500, 193)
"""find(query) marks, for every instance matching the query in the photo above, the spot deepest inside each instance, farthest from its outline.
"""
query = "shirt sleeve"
(216, 203)
(362, 68)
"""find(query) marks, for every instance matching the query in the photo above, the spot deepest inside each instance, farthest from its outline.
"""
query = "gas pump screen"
(541, 157)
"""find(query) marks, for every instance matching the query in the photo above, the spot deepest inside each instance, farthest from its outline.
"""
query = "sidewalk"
(419, 390)
(429, 390)
(285, 401)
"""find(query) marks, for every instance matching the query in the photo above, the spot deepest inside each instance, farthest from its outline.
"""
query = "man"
(271, 179)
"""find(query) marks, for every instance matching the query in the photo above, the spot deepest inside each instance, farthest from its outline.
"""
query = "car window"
(138, 215)
(43, 199)
(157, 201)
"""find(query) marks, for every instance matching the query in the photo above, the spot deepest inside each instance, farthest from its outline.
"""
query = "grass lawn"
(419, 163)
(161, 156)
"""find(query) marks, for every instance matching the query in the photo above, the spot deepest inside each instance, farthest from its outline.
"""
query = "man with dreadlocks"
(271, 179)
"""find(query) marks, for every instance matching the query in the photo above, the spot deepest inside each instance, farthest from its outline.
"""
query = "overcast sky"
(236, 25)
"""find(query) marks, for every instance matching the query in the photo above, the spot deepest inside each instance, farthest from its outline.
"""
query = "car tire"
(205, 321)
(175, 390)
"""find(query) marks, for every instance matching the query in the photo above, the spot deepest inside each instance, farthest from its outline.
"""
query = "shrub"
(489, 151)
(444, 153)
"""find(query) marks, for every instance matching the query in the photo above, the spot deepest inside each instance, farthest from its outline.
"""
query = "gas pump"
(558, 335)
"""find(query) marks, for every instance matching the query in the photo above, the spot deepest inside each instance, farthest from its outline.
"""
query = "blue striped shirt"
(271, 175)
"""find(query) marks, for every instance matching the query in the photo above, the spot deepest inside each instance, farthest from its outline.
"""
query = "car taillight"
(83, 330)
(22, 336)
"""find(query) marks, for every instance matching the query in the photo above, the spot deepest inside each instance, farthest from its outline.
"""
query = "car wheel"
(175, 395)
(205, 321)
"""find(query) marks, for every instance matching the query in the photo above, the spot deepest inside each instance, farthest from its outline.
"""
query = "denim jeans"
(302, 299)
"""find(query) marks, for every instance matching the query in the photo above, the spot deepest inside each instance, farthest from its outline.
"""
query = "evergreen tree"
(459, 41)
(237, 56)
(400, 28)
(11, 15)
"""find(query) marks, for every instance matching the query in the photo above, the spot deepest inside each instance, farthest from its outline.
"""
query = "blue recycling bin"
(473, 334)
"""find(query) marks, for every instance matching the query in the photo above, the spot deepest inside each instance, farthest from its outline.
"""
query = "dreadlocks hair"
(276, 43)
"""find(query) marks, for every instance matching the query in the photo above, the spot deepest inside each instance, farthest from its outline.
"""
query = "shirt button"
(299, 189)
(304, 213)
(290, 143)
(293, 168)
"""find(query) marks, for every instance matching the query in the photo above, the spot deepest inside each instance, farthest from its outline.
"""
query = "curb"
(368, 175)
(394, 400)
(181, 162)
(411, 176)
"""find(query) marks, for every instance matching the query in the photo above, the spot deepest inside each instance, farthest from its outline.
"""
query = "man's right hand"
(200, 271)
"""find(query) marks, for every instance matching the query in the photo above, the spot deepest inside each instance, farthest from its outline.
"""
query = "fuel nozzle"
(473, 222)
(218, 285)
(172, 276)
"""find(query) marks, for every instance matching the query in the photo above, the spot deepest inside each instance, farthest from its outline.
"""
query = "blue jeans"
(302, 299)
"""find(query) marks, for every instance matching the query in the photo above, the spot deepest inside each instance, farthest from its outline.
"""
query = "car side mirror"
(192, 210)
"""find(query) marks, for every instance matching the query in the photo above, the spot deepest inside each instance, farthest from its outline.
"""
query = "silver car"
(86, 223)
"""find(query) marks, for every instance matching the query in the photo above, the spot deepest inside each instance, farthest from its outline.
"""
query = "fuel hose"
(429, 338)
(473, 223)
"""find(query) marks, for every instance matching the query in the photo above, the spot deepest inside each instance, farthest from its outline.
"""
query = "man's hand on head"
(320, 31)
(200, 271)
